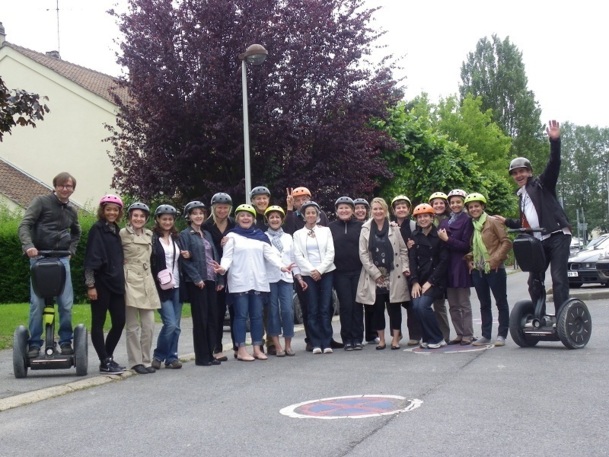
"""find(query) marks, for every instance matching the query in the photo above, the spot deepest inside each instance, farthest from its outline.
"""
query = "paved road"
(501, 401)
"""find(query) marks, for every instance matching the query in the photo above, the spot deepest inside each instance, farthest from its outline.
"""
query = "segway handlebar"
(50, 253)
(528, 230)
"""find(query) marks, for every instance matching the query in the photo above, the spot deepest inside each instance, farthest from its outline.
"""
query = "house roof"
(94, 81)
(18, 186)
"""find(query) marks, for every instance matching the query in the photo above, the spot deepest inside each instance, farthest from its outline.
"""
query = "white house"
(70, 138)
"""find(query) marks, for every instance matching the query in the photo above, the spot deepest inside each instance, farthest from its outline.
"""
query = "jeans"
(484, 283)
(319, 300)
(247, 303)
(167, 342)
(412, 322)
(556, 250)
(281, 311)
(64, 304)
(429, 324)
(351, 312)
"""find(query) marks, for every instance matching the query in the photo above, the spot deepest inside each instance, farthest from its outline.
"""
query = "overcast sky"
(564, 44)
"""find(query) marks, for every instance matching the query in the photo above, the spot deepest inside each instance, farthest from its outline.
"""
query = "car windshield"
(601, 242)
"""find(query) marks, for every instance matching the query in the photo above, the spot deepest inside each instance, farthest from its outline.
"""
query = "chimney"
(2, 34)
(54, 54)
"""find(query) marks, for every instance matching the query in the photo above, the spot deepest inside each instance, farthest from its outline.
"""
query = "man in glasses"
(51, 223)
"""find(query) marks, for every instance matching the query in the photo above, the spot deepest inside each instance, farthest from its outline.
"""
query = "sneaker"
(500, 341)
(316, 351)
(348, 347)
(33, 352)
(482, 341)
(328, 351)
(423, 345)
(442, 343)
(116, 365)
(358, 346)
(108, 366)
(66, 349)
(174, 364)
(156, 364)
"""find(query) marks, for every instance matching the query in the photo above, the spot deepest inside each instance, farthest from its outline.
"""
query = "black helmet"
(344, 200)
(221, 198)
(259, 190)
(520, 162)
(361, 201)
(310, 203)
(192, 205)
(139, 205)
(165, 209)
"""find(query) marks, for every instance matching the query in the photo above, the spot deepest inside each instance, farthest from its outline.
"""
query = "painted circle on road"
(351, 407)
(450, 349)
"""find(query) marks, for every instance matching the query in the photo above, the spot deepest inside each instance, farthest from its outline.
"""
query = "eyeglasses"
(65, 186)
(311, 233)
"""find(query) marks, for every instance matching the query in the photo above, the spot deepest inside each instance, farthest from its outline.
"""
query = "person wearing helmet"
(429, 258)
(218, 224)
(382, 281)
(400, 208)
(166, 256)
(201, 281)
(362, 209)
(281, 305)
(314, 250)
(457, 232)
(490, 247)
(540, 208)
(260, 199)
(294, 218)
(51, 223)
(243, 262)
(345, 235)
(105, 280)
(141, 297)
(439, 203)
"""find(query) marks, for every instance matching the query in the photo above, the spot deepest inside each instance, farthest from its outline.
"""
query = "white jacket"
(325, 244)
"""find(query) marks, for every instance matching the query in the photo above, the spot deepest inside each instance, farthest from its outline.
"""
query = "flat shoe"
(465, 342)
(380, 347)
(261, 357)
(245, 360)
(140, 369)
(455, 341)
(150, 369)
(280, 353)
(290, 353)
(395, 348)
(222, 359)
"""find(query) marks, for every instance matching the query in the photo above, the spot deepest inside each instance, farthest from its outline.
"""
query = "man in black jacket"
(539, 208)
(51, 223)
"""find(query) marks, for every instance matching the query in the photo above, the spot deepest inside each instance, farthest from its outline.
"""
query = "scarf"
(252, 233)
(275, 236)
(380, 246)
(481, 256)
(454, 217)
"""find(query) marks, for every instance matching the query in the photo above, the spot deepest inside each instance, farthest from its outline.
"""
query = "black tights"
(115, 303)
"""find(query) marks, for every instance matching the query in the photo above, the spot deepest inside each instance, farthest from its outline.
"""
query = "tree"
(495, 72)
(309, 103)
(19, 107)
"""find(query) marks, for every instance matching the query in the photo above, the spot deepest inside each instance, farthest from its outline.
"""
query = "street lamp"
(255, 55)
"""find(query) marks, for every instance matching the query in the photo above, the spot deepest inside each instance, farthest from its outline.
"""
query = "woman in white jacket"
(314, 251)
(243, 258)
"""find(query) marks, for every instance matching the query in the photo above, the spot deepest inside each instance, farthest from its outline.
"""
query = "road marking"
(351, 407)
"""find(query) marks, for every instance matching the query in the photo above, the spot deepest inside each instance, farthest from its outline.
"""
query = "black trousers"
(204, 308)
(351, 312)
(107, 301)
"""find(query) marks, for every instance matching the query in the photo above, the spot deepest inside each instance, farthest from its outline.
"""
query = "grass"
(13, 315)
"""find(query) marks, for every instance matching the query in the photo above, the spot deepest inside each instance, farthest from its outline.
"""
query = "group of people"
(377, 257)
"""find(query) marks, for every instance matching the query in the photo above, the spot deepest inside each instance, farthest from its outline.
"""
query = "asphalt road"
(546, 400)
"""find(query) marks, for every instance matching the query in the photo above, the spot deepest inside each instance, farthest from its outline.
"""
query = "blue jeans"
(319, 300)
(167, 342)
(247, 303)
(429, 324)
(281, 311)
(64, 304)
(484, 283)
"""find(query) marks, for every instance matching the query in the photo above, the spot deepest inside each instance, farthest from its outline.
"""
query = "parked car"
(582, 268)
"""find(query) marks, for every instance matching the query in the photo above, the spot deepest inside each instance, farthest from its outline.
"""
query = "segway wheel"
(574, 324)
(521, 312)
(20, 361)
(81, 351)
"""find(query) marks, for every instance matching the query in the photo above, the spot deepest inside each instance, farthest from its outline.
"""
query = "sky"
(564, 44)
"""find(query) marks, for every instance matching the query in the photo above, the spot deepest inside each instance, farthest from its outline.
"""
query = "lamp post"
(255, 55)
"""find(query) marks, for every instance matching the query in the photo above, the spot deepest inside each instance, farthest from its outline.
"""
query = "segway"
(48, 279)
(528, 323)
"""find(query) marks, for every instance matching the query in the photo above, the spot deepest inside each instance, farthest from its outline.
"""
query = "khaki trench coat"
(140, 289)
(398, 285)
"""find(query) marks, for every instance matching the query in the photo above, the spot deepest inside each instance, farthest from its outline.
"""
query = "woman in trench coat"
(141, 296)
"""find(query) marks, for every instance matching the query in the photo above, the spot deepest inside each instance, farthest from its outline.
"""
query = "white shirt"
(172, 255)
(287, 257)
(528, 208)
